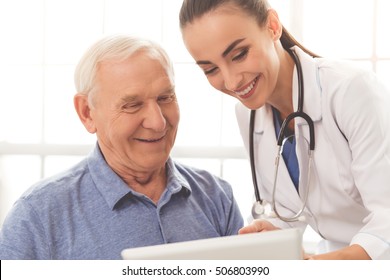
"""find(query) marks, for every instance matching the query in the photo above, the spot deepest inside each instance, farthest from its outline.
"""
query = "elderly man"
(128, 192)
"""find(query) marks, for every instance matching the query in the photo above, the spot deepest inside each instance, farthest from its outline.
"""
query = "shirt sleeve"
(235, 220)
(22, 236)
(226, 214)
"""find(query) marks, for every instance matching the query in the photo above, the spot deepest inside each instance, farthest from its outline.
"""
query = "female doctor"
(334, 172)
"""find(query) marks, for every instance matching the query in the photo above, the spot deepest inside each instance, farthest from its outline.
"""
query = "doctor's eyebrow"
(225, 53)
(200, 62)
(232, 46)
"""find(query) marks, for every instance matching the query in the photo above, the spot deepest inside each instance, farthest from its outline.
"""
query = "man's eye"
(241, 55)
(166, 98)
(131, 107)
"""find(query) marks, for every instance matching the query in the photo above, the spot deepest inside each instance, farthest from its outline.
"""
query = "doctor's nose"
(154, 118)
(232, 80)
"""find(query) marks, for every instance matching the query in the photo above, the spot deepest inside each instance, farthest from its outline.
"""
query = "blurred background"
(42, 40)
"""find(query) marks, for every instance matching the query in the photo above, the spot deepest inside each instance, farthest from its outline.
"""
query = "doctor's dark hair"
(115, 48)
(193, 9)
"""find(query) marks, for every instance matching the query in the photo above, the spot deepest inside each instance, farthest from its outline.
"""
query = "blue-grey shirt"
(89, 212)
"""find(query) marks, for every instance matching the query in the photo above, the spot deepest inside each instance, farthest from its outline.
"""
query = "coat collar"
(312, 93)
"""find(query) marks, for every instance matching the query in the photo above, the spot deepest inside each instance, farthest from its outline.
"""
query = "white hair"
(115, 47)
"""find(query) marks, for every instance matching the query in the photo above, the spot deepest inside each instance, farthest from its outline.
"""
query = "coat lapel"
(312, 106)
(266, 150)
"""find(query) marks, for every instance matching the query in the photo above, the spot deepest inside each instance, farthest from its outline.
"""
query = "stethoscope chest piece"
(258, 210)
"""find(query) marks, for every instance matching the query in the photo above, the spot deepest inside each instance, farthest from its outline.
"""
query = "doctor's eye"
(241, 55)
(210, 71)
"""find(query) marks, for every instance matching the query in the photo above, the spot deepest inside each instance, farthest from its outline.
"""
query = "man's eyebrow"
(232, 46)
(129, 98)
(171, 89)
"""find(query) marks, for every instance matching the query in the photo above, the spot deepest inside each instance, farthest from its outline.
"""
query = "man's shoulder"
(58, 185)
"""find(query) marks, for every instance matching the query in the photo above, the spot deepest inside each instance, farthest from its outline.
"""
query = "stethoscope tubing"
(258, 207)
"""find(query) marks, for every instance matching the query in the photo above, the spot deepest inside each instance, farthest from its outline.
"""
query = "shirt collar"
(108, 183)
(113, 188)
(176, 181)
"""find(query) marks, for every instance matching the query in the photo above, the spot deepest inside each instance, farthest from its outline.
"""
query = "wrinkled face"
(237, 56)
(135, 113)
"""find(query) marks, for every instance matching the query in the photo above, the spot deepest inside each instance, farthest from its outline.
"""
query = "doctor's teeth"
(248, 89)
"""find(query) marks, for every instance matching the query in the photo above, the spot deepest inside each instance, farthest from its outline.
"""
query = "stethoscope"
(258, 209)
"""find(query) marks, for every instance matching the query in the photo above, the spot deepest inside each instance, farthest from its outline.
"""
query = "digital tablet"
(283, 244)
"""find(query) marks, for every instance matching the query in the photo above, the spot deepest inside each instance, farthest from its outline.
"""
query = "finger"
(255, 226)
(247, 229)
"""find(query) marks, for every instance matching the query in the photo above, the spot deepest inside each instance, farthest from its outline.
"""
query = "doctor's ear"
(274, 25)
(83, 110)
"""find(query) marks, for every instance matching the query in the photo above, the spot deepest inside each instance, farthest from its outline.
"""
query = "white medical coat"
(349, 198)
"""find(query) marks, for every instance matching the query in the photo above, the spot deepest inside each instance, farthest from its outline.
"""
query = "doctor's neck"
(282, 97)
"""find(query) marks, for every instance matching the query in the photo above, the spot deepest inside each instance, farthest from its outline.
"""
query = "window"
(40, 133)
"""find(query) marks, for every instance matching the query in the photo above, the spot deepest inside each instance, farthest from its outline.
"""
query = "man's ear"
(83, 110)
(274, 24)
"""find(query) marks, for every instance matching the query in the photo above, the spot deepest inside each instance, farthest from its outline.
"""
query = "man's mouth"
(247, 92)
(150, 140)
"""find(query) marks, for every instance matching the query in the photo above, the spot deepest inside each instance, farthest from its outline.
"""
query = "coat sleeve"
(364, 118)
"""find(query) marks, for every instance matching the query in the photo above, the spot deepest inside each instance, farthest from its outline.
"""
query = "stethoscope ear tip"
(258, 212)
(302, 218)
(272, 214)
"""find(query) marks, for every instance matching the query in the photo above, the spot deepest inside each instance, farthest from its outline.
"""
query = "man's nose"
(154, 118)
